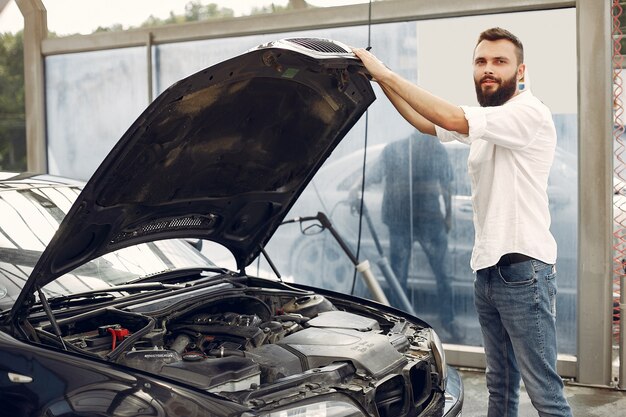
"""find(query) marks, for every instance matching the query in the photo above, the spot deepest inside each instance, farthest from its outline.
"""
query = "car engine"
(260, 346)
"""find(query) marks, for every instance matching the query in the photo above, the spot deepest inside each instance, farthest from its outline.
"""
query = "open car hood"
(221, 155)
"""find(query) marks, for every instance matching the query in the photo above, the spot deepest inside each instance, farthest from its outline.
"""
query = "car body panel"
(65, 384)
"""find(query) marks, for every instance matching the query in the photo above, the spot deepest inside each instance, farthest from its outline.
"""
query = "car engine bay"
(264, 347)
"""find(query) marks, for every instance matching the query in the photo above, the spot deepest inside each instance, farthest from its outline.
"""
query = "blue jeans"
(516, 307)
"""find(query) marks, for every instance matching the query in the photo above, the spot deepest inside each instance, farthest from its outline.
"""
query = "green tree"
(272, 8)
(195, 11)
(12, 120)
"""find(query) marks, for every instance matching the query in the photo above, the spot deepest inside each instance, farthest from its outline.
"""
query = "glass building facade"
(93, 97)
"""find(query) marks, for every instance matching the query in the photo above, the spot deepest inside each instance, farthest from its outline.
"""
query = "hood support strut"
(53, 322)
(269, 261)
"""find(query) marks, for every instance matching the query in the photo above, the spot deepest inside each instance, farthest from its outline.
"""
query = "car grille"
(391, 397)
(421, 384)
(318, 45)
(408, 394)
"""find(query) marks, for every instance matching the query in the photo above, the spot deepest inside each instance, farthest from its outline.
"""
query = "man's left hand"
(375, 66)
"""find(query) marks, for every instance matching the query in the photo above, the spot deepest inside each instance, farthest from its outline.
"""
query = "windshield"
(28, 219)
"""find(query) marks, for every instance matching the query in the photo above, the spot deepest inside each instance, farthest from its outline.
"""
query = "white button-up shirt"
(511, 152)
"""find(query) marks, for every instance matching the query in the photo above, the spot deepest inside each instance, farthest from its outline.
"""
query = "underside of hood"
(221, 155)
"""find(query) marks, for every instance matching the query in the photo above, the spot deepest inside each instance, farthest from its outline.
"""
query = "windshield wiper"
(106, 292)
(178, 273)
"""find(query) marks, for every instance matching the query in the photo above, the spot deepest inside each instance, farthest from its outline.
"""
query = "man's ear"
(521, 77)
(521, 71)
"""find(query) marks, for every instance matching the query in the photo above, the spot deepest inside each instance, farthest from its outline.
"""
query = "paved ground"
(585, 401)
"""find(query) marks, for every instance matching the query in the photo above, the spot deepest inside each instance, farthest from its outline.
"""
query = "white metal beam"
(474, 357)
(318, 18)
(35, 31)
(595, 219)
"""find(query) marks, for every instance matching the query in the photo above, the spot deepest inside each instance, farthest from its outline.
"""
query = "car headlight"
(440, 357)
(328, 408)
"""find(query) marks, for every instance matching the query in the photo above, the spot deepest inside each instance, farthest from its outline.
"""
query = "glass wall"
(91, 99)
(435, 53)
(426, 52)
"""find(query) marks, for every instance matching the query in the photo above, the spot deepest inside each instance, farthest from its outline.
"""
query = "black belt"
(513, 258)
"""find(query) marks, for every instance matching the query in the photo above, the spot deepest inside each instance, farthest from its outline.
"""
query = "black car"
(107, 308)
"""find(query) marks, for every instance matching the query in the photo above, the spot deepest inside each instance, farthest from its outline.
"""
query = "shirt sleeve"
(447, 136)
(512, 125)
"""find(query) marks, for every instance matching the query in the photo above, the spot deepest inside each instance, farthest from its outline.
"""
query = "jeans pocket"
(550, 282)
(517, 275)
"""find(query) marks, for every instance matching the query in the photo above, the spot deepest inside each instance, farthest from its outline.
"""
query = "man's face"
(496, 72)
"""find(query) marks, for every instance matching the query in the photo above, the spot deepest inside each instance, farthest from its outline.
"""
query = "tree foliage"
(272, 8)
(195, 11)
(12, 120)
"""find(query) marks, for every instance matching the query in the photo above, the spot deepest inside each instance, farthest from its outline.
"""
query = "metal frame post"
(35, 31)
(595, 221)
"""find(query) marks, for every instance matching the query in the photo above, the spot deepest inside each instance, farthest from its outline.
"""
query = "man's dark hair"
(495, 34)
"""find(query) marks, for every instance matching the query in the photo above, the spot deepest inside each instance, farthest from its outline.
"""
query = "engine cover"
(367, 349)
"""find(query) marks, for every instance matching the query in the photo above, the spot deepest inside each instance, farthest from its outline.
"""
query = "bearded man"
(512, 141)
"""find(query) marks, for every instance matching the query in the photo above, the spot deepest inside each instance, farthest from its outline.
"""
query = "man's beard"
(501, 95)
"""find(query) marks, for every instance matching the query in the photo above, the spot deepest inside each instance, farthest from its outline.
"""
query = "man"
(512, 141)
(416, 173)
